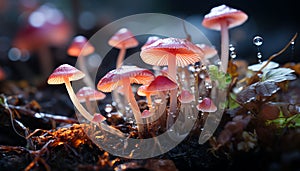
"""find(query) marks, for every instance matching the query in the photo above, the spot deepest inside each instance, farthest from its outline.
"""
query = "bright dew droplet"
(257, 41)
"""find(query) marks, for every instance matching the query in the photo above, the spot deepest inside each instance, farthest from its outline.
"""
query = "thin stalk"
(224, 46)
(121, 57)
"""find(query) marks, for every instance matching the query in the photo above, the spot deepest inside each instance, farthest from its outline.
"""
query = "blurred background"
(32, 31)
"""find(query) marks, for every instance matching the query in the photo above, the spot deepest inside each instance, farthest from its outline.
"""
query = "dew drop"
(231, 47)
(232, 55)
(257, 41)
(108, 108)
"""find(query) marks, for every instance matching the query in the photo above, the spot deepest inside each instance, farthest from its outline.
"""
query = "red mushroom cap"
(142, 90)
(158, 52)
(123, 39)
(146, 114)
(80, 45)
(207, 105)
(113, 79)
(98, 118)
(232, 16)
(186, 97)
(90, 93)
(65, 71)
(161, 83)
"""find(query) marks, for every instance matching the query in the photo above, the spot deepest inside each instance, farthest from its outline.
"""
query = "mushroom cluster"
(175, 54)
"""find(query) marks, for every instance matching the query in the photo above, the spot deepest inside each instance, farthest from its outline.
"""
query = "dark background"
(275, 21)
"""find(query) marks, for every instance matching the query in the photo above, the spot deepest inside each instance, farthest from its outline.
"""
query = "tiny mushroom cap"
(142, 90)
(114, 78)
(88, 93)
(146, 114)
(232, 16)
(209, 51)
(123, 39)
(186, 97)
(63, 72)
(161, 83)
(184, 52)
(207, 105)
(80, 46)
(98, 118)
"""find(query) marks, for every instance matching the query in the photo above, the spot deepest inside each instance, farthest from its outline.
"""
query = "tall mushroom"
(80, 48)
(87, 94)
(222, 18)
(125, 76)
(171, 52)
(122, 39)
(64, 74)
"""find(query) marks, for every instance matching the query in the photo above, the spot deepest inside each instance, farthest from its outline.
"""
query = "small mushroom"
(64, 74)
(80, 48)
(123, 39)
(87, 94)
(186, 97)
(207, 105)
(222, 18)
(142, 91)
(98, 117)
(171, 52)
(125, 76)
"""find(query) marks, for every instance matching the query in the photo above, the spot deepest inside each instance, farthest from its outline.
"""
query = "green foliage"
(223, 79)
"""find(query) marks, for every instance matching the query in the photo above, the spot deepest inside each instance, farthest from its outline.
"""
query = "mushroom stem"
(76, 102)
(224, 46)
(82, 66)
(172, 73)
(133, 104)
(121, 57)
(89, 105)
(149, 101)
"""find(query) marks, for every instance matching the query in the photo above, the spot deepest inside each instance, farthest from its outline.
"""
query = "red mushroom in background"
(207, 105)
(122, 39)
(80, 48)
(125, 76)
(45, 27)
(222, 18)
(171, 52)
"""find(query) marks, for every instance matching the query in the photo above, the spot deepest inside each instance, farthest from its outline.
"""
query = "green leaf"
(222, 78)
(278, 75)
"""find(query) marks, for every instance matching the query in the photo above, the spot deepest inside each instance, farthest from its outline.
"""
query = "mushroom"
(125, 76)
(123, 39)
(63, 75)
(142, 91)
(186, 97)
(87, 94)
(172, 52)
(209, 51)
(80, 47)
(222, 18)
(98, 117)
(46, 26)
(207, 105)
(150, 40)
(159, 84)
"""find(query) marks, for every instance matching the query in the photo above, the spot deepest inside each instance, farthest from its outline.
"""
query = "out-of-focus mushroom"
(80, 47)
(45, 27)
(186, 97)
(64, 74)
(171, 52)
(125, 76)
(88, 94)
(222, 18)
(142, 91)
(98, 117)
(122, 39)
(207, 105)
